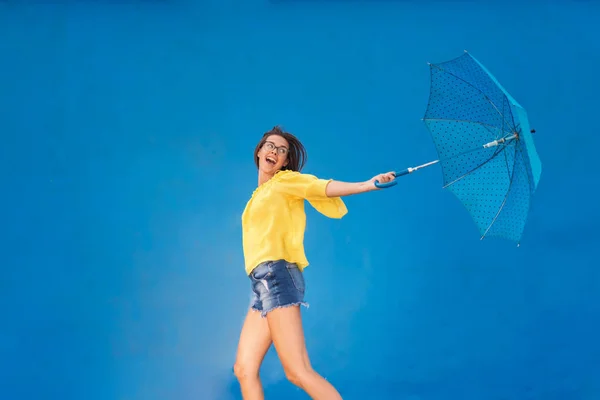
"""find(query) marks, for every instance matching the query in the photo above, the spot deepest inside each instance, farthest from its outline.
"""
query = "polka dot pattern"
(466, 110)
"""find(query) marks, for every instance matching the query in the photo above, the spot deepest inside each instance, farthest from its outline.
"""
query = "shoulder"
(291, 181)
(289, 176)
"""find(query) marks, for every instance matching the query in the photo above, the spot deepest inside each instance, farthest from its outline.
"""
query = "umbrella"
(485, 146)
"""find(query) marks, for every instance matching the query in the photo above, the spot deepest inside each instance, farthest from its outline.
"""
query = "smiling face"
(273, 154)
(278, 150)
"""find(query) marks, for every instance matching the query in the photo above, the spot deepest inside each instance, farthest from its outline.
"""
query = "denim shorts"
(276, 284)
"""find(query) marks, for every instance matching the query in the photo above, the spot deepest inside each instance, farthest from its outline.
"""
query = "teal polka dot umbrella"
(485, 146)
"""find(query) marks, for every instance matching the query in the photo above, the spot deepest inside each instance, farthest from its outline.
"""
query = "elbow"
(329, 191)
(335, 189)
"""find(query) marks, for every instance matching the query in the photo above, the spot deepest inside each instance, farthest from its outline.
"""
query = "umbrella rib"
(530, 184)
(512, 175)
(491, 127)
(477, 89)
(498, 151)
(519, 149)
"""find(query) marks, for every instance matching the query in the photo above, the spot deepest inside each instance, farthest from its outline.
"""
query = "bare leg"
(285, 325)
(255, 340)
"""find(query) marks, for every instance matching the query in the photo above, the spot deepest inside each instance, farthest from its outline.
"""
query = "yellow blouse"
(274, 221)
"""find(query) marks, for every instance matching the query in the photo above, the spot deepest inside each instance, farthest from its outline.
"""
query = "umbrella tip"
(466, 51)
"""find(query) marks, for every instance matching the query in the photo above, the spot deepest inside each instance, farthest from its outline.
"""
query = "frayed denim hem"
(263, 313)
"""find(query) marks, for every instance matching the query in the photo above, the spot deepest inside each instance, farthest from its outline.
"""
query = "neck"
(263, 177)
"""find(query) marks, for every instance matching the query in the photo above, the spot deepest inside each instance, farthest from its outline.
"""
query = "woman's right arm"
(340, 189)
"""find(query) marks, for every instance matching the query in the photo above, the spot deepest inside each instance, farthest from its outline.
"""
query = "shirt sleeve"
(313, 189)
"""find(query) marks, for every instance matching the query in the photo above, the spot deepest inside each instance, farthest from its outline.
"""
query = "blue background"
(126, 161)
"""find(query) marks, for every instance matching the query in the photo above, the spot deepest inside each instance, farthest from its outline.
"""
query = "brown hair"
(297, 152)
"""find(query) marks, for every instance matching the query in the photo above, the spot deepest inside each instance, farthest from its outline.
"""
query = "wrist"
(367, 186)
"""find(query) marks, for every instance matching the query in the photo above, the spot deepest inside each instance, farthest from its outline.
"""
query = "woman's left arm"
(340, 189)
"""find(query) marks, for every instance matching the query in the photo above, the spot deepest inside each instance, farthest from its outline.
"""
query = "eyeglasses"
(270, 146)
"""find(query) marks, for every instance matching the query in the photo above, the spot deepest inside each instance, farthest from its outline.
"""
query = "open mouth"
(271, 160)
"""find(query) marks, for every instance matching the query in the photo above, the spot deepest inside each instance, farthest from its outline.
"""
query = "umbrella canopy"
(485, 146)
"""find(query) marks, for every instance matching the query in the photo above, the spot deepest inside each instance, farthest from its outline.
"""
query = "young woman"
(273, 225)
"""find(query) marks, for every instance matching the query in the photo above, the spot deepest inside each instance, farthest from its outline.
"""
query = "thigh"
(255, 340)
(287, 334)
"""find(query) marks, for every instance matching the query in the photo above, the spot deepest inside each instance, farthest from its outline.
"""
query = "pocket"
(261, 272)
(297, 277)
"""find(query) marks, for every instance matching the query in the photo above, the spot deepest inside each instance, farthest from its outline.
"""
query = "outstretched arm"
(340, 189)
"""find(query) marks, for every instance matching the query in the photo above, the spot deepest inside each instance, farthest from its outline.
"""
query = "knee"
(244, 371)
(298, 375)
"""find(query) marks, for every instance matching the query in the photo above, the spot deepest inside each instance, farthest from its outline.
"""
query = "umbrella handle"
(394, 182)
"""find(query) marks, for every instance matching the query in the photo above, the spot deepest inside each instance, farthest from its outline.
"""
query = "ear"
(286, 162)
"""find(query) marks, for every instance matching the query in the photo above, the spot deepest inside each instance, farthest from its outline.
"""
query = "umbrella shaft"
(499, 141)
(490, 144)
(425, 165)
